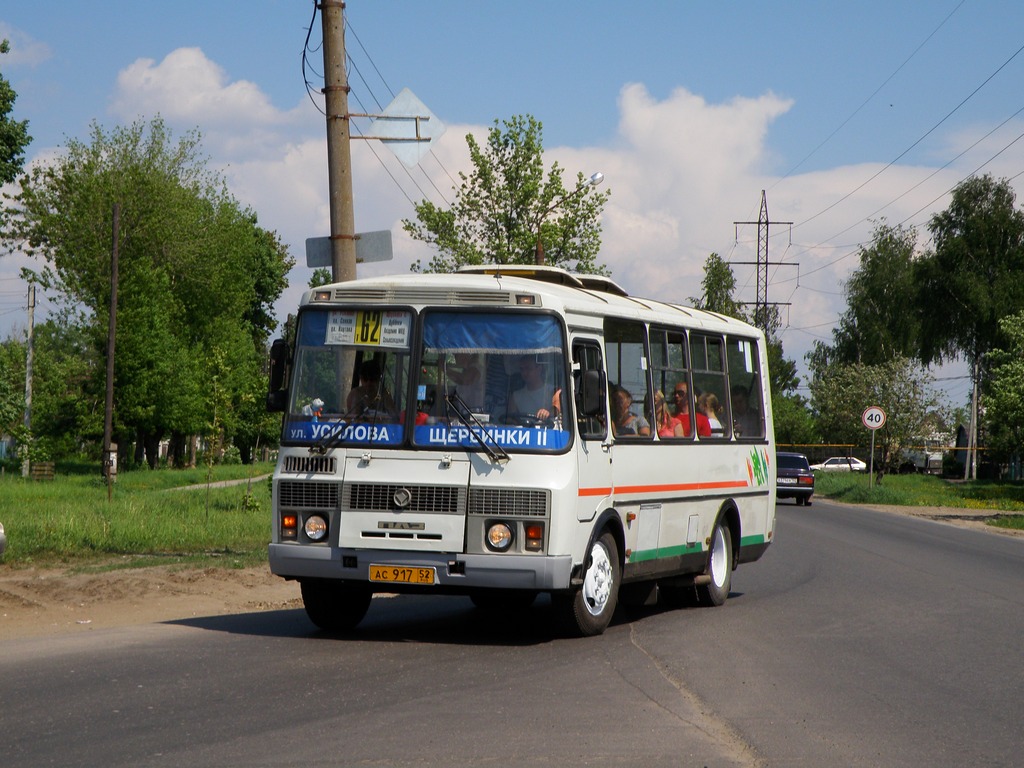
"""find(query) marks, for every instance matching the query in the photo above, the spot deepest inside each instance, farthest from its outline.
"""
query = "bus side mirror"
(592, 393)
(277, 395)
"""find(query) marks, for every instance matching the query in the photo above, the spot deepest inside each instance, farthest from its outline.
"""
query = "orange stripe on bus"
(663, 488)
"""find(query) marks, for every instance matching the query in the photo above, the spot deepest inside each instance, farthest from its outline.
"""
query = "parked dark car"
(794, 480)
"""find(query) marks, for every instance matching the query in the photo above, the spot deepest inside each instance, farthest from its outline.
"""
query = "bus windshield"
(498, 375)
(481, 380)
(350, 377)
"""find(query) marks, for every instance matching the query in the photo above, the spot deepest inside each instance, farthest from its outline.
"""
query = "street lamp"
(593, 181)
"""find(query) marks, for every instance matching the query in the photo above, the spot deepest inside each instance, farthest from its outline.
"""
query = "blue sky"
(844, 113)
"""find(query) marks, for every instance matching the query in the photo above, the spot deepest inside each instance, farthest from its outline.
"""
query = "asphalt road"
(859, 639)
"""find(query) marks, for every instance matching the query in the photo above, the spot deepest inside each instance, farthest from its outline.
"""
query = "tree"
(506, 205)
(1004, 401)
(877, 326)
(840, 393)
(972, 279)
(195, 270)
(719, 283)
(975, 275)
(13, 133)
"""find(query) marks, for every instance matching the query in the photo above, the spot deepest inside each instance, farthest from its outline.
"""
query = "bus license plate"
(401, 574)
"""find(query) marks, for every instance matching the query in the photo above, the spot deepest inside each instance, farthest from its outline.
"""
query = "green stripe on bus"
(654, 554)
(685, 549)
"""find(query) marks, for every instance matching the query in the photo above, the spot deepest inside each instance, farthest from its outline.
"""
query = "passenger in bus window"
(469, 379)
(624, 421)
(667, 424)
(708, 404)
(682, 398)
(369, 395)
(746, 422)
(534, 397)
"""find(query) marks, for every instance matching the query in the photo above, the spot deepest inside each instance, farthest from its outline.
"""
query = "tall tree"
(195, 270)
(975, 275)
(719, 284)
(13, 133)
(506, 206)
(877, 326)
(1004, 401)
(972, 279)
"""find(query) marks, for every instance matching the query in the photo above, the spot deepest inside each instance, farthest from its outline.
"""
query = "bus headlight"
(499, 537)
(315, 528)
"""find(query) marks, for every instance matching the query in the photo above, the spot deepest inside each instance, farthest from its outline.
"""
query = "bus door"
(593, 455)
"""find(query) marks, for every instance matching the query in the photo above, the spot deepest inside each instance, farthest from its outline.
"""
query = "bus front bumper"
(452, 572)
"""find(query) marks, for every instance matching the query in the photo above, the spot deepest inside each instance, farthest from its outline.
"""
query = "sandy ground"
(44, 602)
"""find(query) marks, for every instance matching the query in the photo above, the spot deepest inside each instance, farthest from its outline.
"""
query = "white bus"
(505, 432)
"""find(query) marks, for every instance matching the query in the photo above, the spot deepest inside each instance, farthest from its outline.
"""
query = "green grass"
(69, 520)
(927, 491)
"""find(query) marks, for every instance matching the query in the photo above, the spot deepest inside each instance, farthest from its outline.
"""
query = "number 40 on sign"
(873, 417)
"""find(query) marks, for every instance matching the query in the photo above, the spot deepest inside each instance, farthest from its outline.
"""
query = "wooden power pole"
(339, 153)
(29, 355)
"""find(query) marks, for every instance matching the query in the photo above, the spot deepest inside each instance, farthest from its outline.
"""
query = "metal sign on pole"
(370, 246)
(406, 127)
(874, 419)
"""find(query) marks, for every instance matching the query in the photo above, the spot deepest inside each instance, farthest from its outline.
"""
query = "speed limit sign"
(873, 417)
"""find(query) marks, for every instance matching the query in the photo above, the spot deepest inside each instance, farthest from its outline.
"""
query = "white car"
(841, 464)
(3, 539)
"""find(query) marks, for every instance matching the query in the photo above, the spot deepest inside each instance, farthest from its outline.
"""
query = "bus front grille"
(308, 495)
(316, 465)
(388, 497)
(509, 502)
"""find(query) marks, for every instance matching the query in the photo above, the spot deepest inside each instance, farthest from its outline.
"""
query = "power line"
(873, 94)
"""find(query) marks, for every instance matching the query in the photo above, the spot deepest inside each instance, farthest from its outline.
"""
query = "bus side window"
(590, 391)
(744, 377)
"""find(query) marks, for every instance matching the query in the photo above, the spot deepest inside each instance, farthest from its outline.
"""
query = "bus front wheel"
(588, 610)
(335, 606)
(716, 590)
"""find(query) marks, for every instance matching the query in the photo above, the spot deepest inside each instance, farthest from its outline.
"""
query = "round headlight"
(316, 528)
(499, 536)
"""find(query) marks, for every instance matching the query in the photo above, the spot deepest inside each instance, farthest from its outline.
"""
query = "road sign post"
(874, 419)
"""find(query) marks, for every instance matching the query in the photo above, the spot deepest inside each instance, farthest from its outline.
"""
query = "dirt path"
(43, 602)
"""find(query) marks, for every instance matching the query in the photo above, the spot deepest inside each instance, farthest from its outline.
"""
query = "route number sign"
(873, 417)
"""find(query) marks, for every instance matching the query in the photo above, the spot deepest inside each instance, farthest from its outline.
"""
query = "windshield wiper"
(331, 438)
(376, 404)
(465, 414)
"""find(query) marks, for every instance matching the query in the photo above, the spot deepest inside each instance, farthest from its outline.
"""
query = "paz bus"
(503, 432)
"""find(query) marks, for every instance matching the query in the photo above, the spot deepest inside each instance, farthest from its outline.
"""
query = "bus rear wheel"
(588, 610)
(716, 590)
(335, 606)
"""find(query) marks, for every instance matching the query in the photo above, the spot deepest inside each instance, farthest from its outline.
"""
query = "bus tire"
(588, 610)
(333, 605)
(716, 590)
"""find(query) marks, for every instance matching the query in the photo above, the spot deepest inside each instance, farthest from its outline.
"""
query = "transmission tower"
(761, 305)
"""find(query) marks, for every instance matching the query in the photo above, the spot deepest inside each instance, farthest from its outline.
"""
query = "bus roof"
(496, 285)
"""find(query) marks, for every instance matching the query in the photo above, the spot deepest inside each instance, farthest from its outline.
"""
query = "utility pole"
(971, 464)
(29, 355)
(763, 223)
(109, 450)
(339, 153)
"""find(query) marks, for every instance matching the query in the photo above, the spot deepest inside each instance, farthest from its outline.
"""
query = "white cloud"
(189, 90)
(24, 49)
